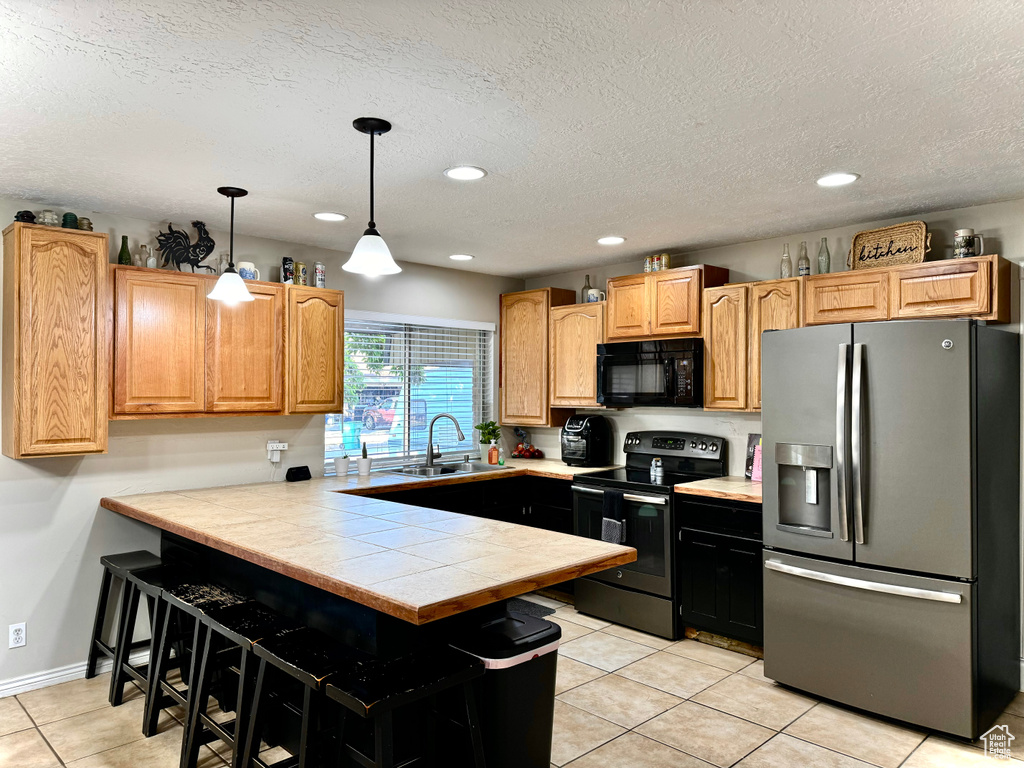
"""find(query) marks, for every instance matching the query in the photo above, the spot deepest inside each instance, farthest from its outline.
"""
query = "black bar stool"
(307, 656)
(377, 688)
(182, 602)
(235, 629)
(114, 567)
(139, 582)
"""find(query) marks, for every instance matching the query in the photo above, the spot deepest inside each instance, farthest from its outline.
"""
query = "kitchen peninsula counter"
(412, 563)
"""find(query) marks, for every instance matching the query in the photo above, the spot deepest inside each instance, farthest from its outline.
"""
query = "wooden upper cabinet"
(55, 305)
(725, 347)
(675, 302)
(659, 304)
(942, 288)
(159, 341)
(774, 306)
(846, 297)
(524, 355)
(245, 351)
(628, 307)
(315, 350)
(575, 332)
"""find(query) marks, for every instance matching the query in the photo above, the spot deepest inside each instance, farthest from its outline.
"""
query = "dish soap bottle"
(803, 264)
(124, 256)
(824, 258)
(786, 268)
(492, 453)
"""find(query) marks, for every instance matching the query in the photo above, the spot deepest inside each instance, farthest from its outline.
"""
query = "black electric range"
(642, 594)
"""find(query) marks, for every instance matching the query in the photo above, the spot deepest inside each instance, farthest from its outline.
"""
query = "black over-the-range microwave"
(669, 372)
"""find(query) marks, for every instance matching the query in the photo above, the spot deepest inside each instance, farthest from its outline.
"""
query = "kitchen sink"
(438, 470)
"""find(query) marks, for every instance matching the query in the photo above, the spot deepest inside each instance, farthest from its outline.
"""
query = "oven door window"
(648, 530)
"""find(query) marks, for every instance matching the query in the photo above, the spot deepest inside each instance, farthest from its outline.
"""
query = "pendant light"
(230, 287)
(371, 255)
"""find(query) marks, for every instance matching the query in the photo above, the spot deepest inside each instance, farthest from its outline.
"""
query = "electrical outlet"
(16, 635)
(275, 446)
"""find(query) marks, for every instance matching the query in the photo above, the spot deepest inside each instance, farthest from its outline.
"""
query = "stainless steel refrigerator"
(891, 456)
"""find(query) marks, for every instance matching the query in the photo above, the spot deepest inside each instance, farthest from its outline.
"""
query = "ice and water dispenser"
(805, 488)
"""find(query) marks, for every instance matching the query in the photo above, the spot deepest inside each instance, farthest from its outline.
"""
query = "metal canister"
(301, 276)
(649, 264)
(287, 270)
(319, 274)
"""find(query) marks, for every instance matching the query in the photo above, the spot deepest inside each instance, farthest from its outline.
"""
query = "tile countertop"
(731, 487)
(409, 562)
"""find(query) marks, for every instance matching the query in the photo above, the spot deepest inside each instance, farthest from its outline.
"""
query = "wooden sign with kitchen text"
(905, 243)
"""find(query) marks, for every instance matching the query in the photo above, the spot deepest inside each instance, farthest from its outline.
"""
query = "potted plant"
(490, 432)
(363, 463)
(341, 464)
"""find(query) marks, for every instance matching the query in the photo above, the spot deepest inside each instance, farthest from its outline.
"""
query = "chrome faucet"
(430, 436)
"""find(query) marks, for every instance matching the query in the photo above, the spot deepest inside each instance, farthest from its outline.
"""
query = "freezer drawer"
(892, 644)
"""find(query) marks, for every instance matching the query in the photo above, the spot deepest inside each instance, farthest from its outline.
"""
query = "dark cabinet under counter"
(719, 578)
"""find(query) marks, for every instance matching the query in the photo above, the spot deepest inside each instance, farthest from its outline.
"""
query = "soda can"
(319, 274)
(301, 276)
(649, 264)
(287, 270)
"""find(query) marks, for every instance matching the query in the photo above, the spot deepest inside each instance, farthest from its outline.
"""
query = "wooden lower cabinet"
(575, 332)
(525, 396)
(315, 350)
(774, 306)
(725, 347)
(159, 342)
(245, 353)
(55, 308)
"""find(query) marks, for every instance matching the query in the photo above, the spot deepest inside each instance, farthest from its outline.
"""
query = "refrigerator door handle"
(870, 586)
(857, 443)
(841, 379)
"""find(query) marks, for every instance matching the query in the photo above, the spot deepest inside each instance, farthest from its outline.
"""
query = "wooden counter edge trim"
(716, 494)
(365, 595)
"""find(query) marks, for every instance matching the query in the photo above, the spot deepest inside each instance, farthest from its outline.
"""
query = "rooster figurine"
(177, 247)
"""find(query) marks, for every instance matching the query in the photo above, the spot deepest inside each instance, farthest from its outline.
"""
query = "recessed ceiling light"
(611, 240)
(330, 216)
(838, 179)
(460, 257)
(465, 173)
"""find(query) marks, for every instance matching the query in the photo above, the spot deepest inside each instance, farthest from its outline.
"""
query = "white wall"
(1001, 223)
(52, 531)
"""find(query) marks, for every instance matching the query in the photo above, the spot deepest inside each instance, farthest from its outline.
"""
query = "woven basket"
(905, 243)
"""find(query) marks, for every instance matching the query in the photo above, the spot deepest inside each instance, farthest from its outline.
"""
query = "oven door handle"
(656, 500)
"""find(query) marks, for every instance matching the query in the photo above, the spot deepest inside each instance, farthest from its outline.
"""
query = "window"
(401, 372)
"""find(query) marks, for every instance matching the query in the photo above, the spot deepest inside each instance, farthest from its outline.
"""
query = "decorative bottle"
(786, 268)
(803, 264)
(124, 256)
(824, 258)
(585, 293)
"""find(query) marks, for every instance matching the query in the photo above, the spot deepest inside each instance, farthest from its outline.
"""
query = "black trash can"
(516, 696)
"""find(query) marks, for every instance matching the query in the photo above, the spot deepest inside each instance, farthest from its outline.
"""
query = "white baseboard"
(31, 682)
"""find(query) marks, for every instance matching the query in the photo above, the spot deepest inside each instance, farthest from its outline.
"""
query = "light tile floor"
(624, 700)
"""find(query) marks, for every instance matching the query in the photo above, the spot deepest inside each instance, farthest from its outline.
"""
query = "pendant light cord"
(231, 240)
(371, 223)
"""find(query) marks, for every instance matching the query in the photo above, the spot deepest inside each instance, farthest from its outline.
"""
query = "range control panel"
(673, 443)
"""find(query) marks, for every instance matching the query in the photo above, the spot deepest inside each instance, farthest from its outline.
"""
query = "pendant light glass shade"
(371, 255)
(230, 287)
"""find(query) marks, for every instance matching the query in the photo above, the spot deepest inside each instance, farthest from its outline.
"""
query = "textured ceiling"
(674, 124)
